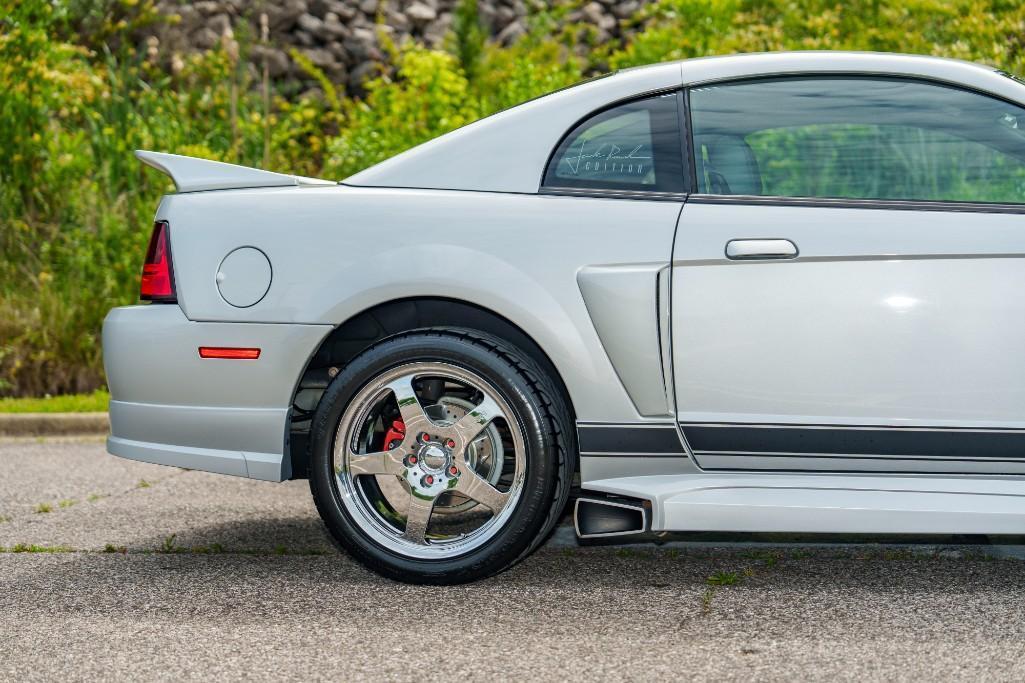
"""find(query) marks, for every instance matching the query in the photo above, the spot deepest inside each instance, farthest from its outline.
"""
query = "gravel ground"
(221, 577)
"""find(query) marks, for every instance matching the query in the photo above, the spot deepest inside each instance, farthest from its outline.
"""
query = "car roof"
(507, 152)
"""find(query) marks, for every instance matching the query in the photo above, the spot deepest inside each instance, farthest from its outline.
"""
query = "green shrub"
(76, 99)
(75, 206)
(989, 31)
(431, 94)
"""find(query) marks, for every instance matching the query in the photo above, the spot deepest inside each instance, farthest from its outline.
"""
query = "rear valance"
(194, 175)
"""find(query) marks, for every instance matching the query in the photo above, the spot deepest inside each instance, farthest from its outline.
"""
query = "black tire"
(537, 405)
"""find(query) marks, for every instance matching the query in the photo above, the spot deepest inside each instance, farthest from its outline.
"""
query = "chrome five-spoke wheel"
(428, 460)
(441, 456)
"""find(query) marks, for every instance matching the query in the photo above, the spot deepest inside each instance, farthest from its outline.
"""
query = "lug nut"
(454, 471)
(412, 459)
(425, 437)
(450, 443)
(429, 480)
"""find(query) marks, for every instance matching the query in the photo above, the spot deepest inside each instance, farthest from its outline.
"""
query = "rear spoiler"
(194, 175)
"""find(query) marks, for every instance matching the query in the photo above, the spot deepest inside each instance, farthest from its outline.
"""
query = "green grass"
(95, 402)
(723, 579)
(706, 600)
(168, 545)
(32, 548)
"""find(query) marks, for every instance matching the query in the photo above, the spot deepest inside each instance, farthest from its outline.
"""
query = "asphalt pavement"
(119, 570)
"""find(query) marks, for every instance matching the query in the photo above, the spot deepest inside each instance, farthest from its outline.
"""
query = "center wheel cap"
(434, 458)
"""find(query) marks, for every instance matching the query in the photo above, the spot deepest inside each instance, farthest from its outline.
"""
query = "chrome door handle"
(741, 250)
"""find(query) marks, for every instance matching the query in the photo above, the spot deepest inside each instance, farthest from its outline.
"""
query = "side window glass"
(632, 147)
(857, 138)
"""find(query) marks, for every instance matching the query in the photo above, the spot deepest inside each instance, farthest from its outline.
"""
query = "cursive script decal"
(606, 159)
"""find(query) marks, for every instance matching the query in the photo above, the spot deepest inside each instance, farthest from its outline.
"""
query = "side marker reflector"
(228, 352)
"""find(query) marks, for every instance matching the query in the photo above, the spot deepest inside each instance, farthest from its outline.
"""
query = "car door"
(848, 288)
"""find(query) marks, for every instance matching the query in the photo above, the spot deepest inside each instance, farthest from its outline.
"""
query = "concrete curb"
(54, 424)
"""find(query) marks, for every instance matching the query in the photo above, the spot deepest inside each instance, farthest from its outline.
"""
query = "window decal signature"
(611, 161)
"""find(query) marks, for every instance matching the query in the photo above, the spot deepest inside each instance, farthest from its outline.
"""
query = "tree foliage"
(76, 98)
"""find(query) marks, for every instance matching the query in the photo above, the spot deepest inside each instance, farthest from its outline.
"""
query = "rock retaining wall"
(341, 36)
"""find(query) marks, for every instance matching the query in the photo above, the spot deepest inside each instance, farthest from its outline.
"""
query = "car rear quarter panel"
(338, 251)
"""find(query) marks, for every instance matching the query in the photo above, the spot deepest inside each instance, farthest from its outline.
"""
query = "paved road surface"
(221, 577)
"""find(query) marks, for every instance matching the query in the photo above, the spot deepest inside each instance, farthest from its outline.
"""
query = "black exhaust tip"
(602, 518)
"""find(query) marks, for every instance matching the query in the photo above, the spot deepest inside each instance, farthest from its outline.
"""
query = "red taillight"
(157, 276)
(229, 352)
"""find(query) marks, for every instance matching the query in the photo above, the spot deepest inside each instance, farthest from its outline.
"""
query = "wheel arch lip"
(441, 312)
(551, 323)
(540, 352)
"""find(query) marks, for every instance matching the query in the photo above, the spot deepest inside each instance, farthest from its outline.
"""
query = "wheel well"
(364, 329)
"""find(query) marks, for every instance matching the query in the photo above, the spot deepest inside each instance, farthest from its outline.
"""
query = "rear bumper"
(171, 407)
(239, 441)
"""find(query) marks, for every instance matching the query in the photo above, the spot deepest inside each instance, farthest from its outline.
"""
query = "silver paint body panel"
(887, 318)
(851, 504)
(171, 407)
(517, 255)
(624, 307)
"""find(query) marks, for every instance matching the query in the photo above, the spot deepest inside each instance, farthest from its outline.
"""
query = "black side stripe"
(856, 441)
(611, 439)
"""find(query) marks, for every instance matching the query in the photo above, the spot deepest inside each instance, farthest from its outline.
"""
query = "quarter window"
(632, 147)
(859, 138)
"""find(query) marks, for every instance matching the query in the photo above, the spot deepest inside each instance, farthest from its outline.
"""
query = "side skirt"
(809, 503)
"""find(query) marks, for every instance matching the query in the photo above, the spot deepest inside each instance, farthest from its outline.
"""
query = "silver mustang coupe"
(778, 292)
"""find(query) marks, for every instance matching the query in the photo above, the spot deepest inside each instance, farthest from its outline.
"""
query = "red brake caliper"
(394, 436)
